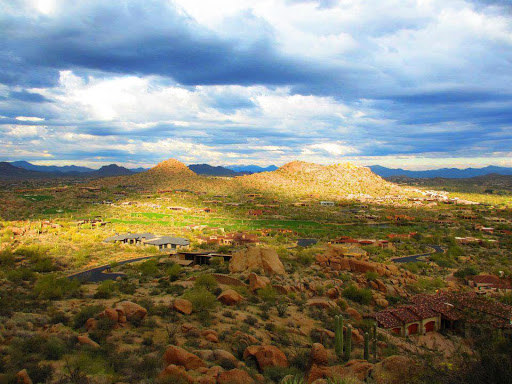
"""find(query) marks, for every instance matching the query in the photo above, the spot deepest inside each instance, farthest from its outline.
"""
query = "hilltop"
(302, 178)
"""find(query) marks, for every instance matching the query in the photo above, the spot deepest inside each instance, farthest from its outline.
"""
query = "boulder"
(257, 282)
(176, 374)
(265, 260)
(321, 303)
(132, 311)
(332, 293)
(318, 355)
(235, 376)
(110, 313)
(178, 356)
(266, 356)
(91, 324)
(354, 314)
(220, 354)
(22, 377)
(210, 335)
(182, 306)
(230, 297)
(358, 369)
(85, 340)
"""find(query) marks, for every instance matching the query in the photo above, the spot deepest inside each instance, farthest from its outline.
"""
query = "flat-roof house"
(167, 242)
(484, 284)
(328, 203)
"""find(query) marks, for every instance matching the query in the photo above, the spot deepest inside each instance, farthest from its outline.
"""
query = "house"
(167, 242)
(327, 203)
(162, 242)
(484, 284)
(255, 212)
(409, 320)
(201, 258)
(306, 242)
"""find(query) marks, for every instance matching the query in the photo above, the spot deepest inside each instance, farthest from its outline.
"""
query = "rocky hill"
(300, 178)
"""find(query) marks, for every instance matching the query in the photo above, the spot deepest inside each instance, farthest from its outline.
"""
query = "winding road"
(416, 258)
(98, 274)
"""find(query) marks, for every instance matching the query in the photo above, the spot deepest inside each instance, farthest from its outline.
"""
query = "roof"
(306, 242)
(163, 240)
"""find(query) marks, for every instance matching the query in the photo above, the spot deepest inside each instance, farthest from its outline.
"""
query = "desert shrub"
(466, 271)
(216, 261)
(361, 296)
(282, 307)
(54, 348)
(20, 274)
(103, 328)
(267, 294)
(276, 374)
(174, 272)
(202, 301)
(251, 320)
(6, 258)
(207, 282)
(175, 290)
(105, 290)
(51, 287)
(371, 275)
(44, 264)
(149, 268)
(85, 314)
(127, 287)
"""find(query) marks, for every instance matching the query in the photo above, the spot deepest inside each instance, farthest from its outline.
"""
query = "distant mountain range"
(250, 168)
(10, 171)
(69, 168)
(209, 170)
(448, 173)
(17, 168)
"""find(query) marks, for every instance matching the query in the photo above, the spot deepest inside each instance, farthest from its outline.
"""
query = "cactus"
(366, 355)
(374, 343)
(348, 345)
(338, 336)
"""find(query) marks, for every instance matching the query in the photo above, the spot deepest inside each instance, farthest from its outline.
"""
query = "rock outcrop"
(263, 260)
(230, 297)
(178, 356)
(182, 306)
(266, 356)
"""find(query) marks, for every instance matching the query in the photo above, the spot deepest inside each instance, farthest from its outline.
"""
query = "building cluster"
(445, 310)
(162, 242)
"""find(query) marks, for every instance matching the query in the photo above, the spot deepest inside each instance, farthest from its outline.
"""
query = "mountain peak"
(171, 166)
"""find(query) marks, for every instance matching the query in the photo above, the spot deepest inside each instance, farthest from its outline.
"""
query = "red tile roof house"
(444, 310)
(484, 284)
(409, 320)
(255, 212)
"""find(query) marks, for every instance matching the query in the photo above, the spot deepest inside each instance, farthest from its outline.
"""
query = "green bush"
(361, 296)
(466, 271)
(106, 290)
(51, 287)
(267, 294)
(207, 282)
(85, 314)
(371, 275)
(174, 272)
(149, 268)
(203, 301)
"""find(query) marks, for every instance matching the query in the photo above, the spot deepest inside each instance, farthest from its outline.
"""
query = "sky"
(413, 84)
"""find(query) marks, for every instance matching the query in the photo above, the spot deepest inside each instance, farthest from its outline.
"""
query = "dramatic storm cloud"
(396, 82)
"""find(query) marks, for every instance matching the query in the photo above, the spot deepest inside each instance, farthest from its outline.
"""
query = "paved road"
(416, 258)
(95, 275)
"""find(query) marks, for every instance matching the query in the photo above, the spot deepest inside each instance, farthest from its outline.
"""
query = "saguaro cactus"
(348, 345)
(366, 355)
(338, 335)
(374, 343)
